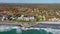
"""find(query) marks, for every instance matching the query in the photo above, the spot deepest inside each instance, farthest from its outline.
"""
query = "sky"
(29, 1)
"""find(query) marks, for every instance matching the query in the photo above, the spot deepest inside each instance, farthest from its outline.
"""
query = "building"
(25, 18)
(4, 15)
(54, 19)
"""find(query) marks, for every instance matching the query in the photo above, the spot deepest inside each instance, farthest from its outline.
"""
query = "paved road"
(40, 25)
(10, 24)
(54, 26)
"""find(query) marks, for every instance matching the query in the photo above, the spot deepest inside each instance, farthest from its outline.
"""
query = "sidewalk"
(46, 22)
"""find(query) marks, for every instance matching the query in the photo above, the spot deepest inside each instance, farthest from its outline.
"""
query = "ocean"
(18, 30)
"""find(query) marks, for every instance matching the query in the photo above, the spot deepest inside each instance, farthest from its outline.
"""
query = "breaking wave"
(17, 30)
(10, 29)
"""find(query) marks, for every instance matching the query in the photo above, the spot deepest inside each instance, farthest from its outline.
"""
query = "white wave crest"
(54, 31)
(4, 28)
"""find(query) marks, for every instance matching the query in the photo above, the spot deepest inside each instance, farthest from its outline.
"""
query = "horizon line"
(29, 3)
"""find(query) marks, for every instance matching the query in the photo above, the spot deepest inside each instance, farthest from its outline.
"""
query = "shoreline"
(20, 24)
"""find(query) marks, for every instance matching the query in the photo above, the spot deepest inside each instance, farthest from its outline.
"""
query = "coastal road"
(39, 25)
(44, 25)
(10, 24)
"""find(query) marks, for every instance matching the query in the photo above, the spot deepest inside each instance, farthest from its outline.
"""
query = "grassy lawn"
(21, 20)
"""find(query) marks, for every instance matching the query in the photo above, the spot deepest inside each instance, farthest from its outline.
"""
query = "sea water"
(18, 30)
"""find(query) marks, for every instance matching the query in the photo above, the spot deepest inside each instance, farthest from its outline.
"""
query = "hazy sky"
(29, 1)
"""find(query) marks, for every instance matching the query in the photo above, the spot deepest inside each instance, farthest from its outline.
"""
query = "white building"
(25, 18)
(54, 19)
(20, 18)
(29, 18)
(4, 17)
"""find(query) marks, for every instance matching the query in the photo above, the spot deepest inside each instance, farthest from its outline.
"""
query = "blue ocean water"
(18, 30)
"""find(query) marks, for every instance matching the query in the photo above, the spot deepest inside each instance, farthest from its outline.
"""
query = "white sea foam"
(30, 28)
(54, 31)
(19, 30)
(4, 28)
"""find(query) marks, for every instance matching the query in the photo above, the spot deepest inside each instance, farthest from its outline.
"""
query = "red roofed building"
(4, 12)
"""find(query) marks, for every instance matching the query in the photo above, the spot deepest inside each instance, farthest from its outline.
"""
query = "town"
(29, 13)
